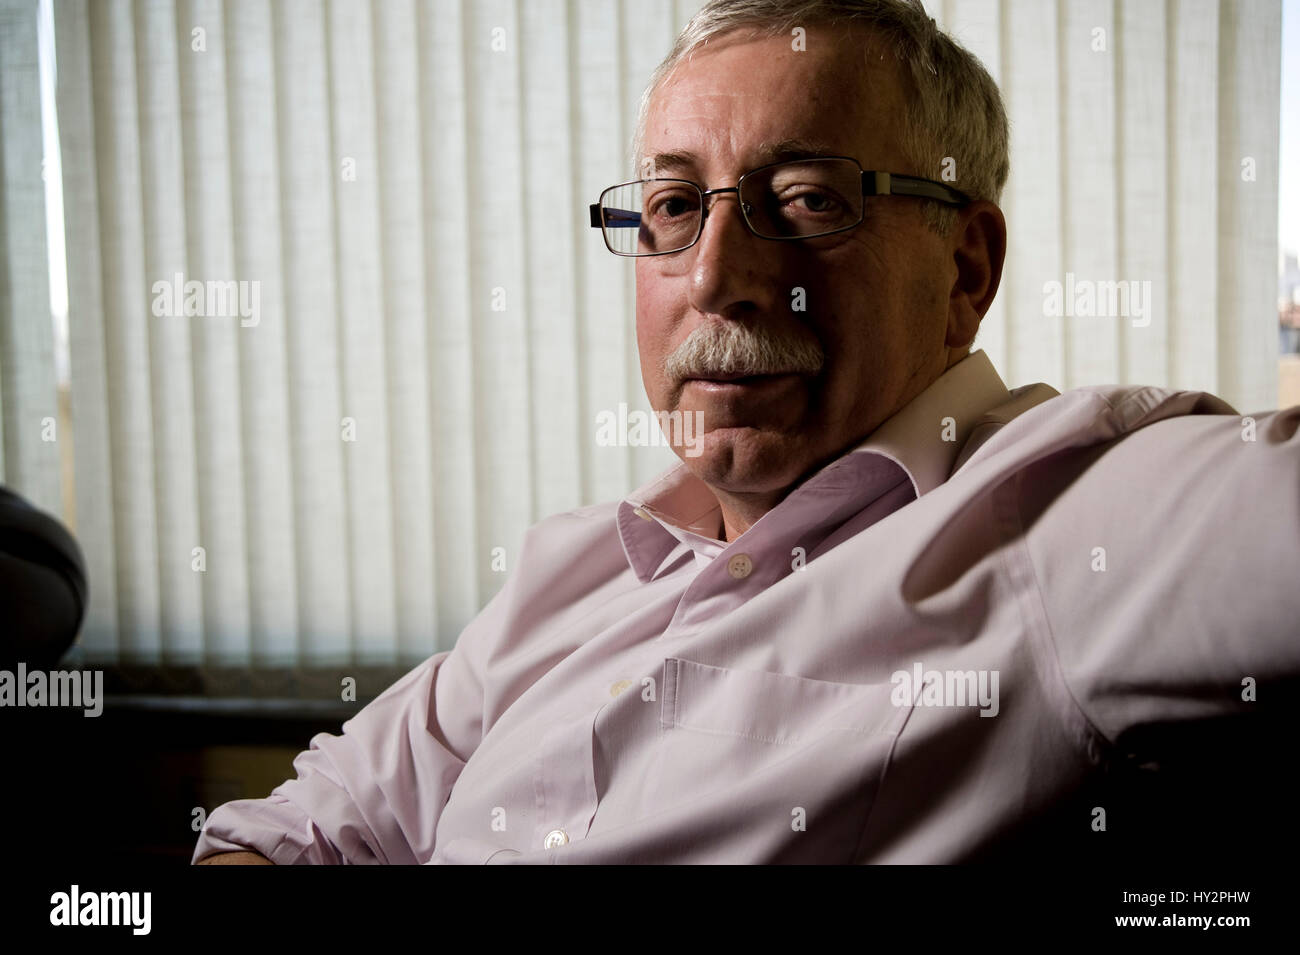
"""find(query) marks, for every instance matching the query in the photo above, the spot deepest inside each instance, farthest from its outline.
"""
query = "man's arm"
(1167, 561)
(374, 794)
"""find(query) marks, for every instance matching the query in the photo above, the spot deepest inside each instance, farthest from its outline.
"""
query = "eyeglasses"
(784, 201)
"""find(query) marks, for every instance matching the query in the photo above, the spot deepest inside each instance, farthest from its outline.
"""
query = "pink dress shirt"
(931, 640)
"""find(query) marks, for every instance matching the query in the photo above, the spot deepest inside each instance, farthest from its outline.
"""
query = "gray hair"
(954, 109)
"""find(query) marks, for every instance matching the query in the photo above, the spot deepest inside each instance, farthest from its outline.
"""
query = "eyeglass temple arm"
(886, 184)
(614, 218)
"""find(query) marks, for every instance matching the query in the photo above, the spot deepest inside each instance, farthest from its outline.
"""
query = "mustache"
(730, 348)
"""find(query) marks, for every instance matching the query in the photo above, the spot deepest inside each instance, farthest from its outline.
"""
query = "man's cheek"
(657, 386)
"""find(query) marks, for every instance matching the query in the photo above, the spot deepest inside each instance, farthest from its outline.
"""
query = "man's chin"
(743, 460)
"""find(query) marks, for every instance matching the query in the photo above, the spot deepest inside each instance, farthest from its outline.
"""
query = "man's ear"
(979, 247)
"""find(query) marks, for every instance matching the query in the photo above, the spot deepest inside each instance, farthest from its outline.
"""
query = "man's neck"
(740, 512)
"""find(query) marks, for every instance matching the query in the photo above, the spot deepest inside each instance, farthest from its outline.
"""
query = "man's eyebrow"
(779, 151)
(794, 149)
(674, 161)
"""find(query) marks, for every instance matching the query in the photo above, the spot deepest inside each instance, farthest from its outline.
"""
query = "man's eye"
(815, 202)
(671, 207)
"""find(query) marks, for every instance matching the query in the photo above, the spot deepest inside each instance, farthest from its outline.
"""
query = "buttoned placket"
(564, 782)
(732, 573)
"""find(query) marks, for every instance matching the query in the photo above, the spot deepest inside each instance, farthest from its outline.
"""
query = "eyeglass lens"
(798, 199)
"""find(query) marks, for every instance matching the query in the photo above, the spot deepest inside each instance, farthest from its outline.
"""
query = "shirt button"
(740, 566)
(643, 514)
(556, 837)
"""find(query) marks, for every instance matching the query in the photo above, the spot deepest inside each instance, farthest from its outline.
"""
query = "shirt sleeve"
(1167, 564)
(374, 794)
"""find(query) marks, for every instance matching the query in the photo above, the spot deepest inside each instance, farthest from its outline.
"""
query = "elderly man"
(886, 609)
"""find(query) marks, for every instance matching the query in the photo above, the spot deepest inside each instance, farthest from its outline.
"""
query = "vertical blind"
(343, 474)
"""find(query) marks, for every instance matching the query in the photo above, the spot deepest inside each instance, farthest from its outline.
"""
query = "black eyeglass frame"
(874, 183)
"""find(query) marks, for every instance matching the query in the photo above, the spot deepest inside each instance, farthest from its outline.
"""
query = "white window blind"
(437, 328)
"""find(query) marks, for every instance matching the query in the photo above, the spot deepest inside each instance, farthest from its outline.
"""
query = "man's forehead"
(836, 99)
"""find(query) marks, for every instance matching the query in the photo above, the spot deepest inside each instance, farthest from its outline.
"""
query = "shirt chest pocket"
(772, 767)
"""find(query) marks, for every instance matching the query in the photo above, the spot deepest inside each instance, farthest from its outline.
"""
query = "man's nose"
(733, 269)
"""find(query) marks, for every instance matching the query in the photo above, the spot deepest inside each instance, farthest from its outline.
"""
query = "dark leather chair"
(43, 587)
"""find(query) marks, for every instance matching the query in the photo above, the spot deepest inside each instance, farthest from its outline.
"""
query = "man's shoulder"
(580, 521)
(1036, 422)
(588, 535)
(1134, 406)
(1142, 460)
(1114, 410)
(564, 562)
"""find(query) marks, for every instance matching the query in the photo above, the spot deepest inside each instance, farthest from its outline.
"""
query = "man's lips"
(739, 379)
(744, 387)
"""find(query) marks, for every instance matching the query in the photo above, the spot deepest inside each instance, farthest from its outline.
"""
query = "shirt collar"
(924, 439)
(928, 433)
